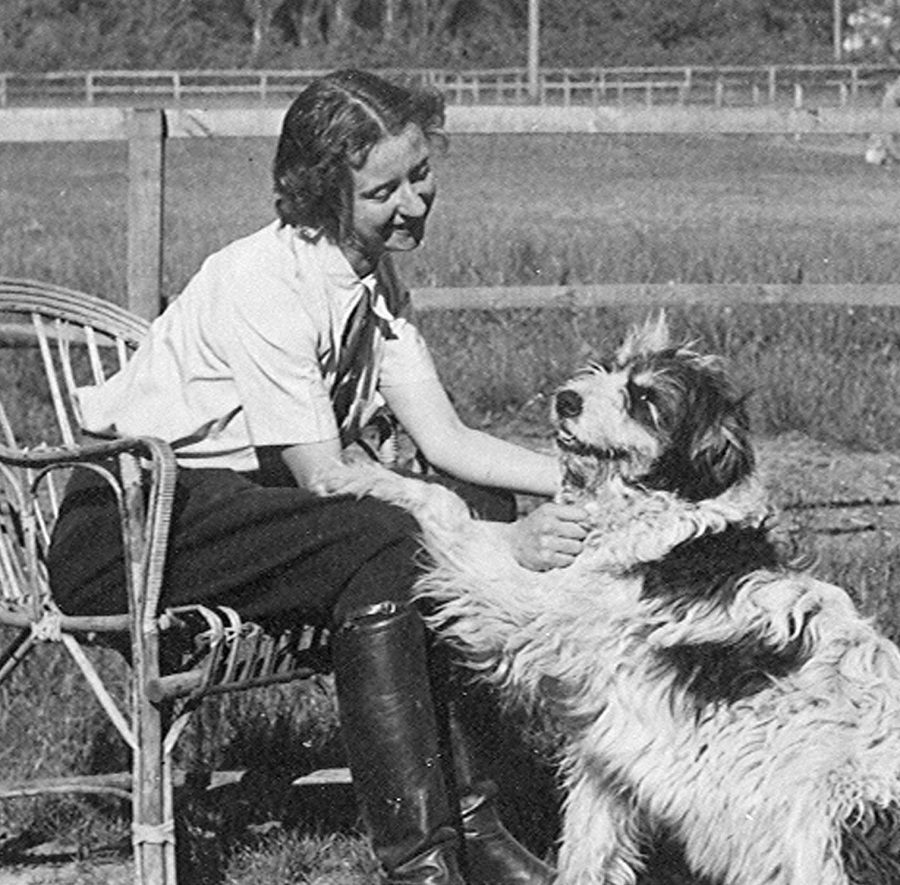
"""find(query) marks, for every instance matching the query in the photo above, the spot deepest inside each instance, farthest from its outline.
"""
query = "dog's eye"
(638, 393)
(641, 402)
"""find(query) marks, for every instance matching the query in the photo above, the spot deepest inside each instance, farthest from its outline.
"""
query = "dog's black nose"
(568, 404)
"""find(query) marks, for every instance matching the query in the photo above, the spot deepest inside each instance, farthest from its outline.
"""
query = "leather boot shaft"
(390, 730)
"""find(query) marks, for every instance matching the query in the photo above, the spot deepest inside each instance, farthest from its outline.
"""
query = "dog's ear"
(651, 337)
(720, 451)
(709, 448)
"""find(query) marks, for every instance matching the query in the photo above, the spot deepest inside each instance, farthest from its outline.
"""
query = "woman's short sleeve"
(273, 353)
(406, 358)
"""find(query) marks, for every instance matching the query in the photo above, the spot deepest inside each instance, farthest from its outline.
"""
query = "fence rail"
(147, 129)
(427, 299)
(654, 295)
(721, 86)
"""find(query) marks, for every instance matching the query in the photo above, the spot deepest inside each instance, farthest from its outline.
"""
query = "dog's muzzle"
(569, 404)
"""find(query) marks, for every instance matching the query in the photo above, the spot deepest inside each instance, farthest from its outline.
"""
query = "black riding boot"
(390, 730)
(492, 854)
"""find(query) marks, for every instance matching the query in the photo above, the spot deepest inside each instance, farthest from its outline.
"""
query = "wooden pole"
(146, 129)
(534, 51)
(838, 28)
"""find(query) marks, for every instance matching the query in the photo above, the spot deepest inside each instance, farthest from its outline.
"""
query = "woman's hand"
(551, 536)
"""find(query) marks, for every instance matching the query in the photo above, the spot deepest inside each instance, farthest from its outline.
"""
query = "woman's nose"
(414, 202)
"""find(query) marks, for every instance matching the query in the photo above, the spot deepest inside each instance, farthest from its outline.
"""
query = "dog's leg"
(600, 835)
(441, 513)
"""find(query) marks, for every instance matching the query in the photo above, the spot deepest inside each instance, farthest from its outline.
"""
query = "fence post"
(146, 165)
(685, 91)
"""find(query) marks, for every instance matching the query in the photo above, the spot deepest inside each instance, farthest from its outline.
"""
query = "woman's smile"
(392, 196)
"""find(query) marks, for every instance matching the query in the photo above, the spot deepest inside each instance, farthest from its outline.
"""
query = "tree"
(389, 20)
(308, 21)
(28, 38)
(260, 13)
(873, 30)
(61, 34)
(430, 19)
(340, 19)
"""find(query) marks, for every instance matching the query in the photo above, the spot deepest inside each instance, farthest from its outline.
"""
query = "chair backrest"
(53, 340)
(80, 339)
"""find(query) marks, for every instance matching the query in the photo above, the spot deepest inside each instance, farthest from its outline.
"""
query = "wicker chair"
(79, 339)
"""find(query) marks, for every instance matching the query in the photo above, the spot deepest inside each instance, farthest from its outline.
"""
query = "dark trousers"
(274, 553)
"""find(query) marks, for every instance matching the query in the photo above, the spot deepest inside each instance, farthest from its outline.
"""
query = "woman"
(260, 374)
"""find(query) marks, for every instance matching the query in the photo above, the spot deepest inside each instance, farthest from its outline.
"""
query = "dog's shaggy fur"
(703, 689)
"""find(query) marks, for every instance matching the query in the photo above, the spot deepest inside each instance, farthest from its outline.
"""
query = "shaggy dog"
(703, 689)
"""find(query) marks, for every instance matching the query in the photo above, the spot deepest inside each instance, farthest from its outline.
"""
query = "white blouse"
(246, 355)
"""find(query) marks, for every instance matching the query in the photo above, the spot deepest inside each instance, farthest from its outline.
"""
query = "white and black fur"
(703, 689)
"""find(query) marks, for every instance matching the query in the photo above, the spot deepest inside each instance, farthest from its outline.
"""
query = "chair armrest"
(145, 520)
(66, 456)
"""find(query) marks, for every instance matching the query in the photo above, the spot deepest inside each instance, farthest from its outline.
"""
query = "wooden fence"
(148, 129)
(798, 85)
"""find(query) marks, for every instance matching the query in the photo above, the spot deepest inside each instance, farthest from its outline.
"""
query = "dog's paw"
(372, 480)
(440, 512)
(355, 479)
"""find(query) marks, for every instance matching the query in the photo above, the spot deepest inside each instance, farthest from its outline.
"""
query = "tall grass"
(513, 210)
(829, 372)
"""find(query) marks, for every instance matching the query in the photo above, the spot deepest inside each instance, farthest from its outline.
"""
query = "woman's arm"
(426, 413)
(448, 444)
(307, 461)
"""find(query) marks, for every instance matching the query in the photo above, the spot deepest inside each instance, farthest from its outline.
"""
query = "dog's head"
(660, 416)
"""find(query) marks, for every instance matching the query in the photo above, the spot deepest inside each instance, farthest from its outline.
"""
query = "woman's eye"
(420, 174)
(380, 196)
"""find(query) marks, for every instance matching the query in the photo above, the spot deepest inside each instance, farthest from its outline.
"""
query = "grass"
(829, 372)
(513, 210)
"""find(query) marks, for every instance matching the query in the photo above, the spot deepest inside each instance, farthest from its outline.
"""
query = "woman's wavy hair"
(329, 130)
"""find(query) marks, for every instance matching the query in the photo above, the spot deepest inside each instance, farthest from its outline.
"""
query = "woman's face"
(392, 196)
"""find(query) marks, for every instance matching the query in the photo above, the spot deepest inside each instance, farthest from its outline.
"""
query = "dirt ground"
(844, 488)
(840, 494)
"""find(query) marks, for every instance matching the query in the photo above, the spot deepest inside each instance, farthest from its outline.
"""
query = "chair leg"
(153, 829)
(15, 652)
